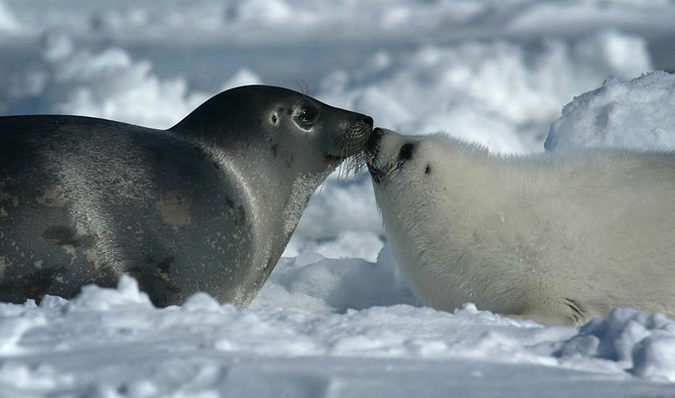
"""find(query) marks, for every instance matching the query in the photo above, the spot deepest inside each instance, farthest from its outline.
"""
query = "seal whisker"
(352, 143)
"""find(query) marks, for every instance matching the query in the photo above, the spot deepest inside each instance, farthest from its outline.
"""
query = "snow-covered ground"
(335, 319)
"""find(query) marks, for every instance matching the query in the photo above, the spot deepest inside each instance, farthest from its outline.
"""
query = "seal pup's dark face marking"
(387, 153)
(390, 156)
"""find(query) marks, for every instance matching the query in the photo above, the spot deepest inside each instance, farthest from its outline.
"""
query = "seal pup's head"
(392, 156)
(430, 190)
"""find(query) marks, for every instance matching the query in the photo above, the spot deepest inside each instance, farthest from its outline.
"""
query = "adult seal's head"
(558, 238)
(207, 205)
(289, 121)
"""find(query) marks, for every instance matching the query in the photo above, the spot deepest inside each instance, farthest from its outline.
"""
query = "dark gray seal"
(207, 205)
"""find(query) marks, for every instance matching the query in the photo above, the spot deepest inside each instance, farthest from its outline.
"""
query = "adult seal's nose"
(368, 120)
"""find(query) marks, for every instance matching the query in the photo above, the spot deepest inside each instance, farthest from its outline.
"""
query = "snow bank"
(311, 282)
(106, 84)
(629, 114)
(643, 344)
(336, 207)
(498, 93)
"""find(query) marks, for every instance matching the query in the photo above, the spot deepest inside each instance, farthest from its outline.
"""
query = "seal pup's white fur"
(558, 238)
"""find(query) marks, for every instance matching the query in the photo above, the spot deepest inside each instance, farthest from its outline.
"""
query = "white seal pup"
(207, 205)
(557, 238)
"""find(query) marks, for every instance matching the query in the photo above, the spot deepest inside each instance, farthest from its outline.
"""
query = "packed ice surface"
(335, 318)
(113, 343)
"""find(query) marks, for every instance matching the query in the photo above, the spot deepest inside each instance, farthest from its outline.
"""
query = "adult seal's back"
(207, 205)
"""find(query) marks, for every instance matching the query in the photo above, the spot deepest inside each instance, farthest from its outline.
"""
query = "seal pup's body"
(558, 238)
(208, 205)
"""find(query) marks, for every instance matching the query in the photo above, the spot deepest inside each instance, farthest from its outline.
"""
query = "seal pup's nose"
(372, 148)
(374, 140)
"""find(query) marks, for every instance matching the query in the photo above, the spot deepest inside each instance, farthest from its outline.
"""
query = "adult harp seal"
(207, 205)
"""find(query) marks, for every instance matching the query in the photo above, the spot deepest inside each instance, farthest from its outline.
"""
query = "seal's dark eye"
(406, 152)
(307, 115)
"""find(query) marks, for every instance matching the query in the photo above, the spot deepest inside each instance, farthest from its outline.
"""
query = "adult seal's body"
(560, 239)
(208, 205)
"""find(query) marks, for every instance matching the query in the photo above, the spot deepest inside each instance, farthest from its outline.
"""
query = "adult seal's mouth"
(351, 139)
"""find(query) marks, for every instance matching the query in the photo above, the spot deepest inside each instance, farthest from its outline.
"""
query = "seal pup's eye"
(406, 152)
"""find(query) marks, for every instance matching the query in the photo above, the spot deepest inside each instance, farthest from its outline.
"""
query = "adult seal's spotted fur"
(558, 238)
(207, 205)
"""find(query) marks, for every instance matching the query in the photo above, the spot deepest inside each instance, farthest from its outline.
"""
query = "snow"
(335, 318)
(113, 343)
(620, 114)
